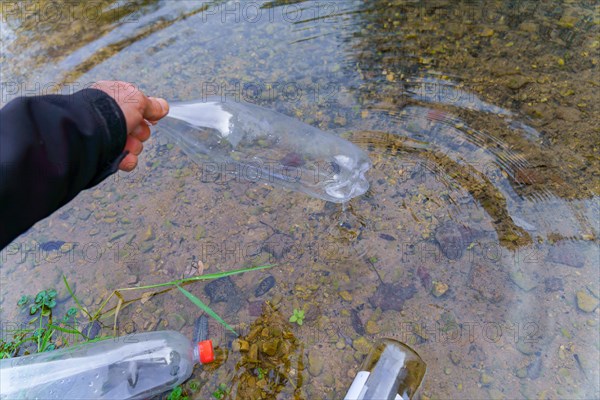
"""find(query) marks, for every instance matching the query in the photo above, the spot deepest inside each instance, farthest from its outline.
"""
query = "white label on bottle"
(356, 389)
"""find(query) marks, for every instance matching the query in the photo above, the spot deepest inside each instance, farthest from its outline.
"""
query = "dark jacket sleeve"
(51, 148)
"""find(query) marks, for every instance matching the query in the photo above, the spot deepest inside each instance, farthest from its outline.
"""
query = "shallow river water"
(476, 244)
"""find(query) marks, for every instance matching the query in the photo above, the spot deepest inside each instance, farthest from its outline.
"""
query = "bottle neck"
(196, 354)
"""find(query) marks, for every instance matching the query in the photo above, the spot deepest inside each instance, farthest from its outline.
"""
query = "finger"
(141, 132)
(129, 163)
(134, 145)
(155, 109)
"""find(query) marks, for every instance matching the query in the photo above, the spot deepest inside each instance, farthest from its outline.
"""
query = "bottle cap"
(205, 350)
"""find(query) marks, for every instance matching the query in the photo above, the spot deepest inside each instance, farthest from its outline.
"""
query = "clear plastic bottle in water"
(253, 144)
(130, 367)
(391, 371)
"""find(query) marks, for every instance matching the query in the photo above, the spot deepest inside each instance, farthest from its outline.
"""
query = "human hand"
(139, 111)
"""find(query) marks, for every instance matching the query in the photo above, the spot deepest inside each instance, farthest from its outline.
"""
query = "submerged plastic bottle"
(253, 144)
(130, 367)
(391, 371)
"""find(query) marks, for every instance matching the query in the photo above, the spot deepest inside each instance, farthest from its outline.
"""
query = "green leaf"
(23, 300)
(65, 330)
(75, 298)
(40, 296)
(205, 308)
(299, 322)
(293, 318)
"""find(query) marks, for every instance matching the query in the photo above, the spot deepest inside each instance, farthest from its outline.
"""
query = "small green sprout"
(297, 317)
(220, 392)
(69, 315)
(177, 394)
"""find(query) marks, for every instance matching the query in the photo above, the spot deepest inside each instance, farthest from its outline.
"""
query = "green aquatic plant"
(261, 373)
(163, 288)
(177, 394)
(44, 302)
(220, 392)
(45, 333)
(297, 316)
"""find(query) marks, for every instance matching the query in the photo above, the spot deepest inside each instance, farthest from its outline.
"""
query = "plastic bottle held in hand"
(391, 371)
(136, 366)
(241, 141)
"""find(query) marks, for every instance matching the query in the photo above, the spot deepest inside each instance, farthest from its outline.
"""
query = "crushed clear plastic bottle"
(253, 144)
(136, 366)
(391, 371)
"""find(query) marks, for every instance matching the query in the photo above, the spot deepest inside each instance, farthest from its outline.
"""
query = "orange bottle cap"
(205, 349)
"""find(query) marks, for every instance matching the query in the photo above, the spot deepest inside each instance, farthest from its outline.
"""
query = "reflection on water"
(476, 243)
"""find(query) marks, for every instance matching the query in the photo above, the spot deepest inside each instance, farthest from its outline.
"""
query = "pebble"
(176, 321)
(523, 282)
(496, 394)
(387, 237)
(362, 345)
(117, 235)
(585, 301)
(452, 238)
(534, 369)
(489, 280)
(149, 234)
(454, 357)
(527, 347)
(220, 290)
(553, 284)
(84, 215)
(345, 295)
(270, 347)
(53, 245)
(92, 329)
(372, 328)
(566, 254)
(439, 288)
(278, 245)
(425, 278)
(328, 379)
(487, 32)
(264, 286)
(391, 296)
(521, 373)
(146, 247)
(485, 379)
(315, 362)
(240, 345)
(357, 323)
